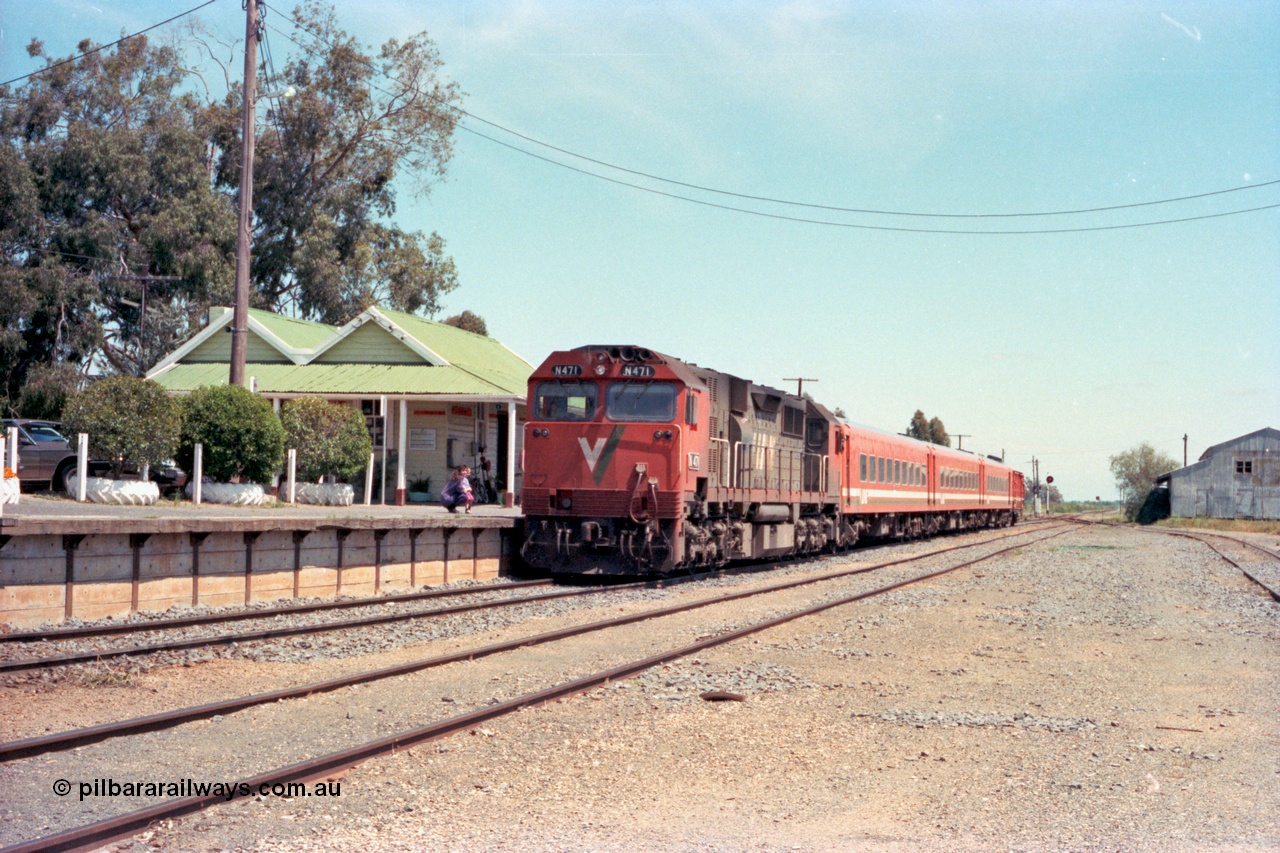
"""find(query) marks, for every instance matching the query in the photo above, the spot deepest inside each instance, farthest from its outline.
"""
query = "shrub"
(242, 437)
(129, 421)
(330, 439)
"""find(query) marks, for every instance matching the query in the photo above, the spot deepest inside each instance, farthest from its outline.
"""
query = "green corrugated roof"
(484, 356)
(302, 334)
(478, 366)
(365, 379)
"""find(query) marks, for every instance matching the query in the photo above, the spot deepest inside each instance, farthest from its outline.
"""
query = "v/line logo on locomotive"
(640, 463)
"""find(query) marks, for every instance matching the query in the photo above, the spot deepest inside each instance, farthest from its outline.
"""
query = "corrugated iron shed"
(1239, 478)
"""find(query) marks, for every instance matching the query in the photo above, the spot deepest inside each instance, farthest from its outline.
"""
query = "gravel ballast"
(1103, 690)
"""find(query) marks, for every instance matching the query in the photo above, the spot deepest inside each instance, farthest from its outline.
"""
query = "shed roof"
(1265, 432)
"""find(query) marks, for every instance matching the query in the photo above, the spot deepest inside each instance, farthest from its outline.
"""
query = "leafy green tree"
(105, 176)
(325, 173)
(1135, 471)
(330, 439)
(116, 166)
(130, 421)
(242, 437)
(926, 429)
(469, 321)
(938, 432)
(919, 427)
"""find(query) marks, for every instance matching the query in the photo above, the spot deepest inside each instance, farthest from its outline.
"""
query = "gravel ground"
(1104, 690)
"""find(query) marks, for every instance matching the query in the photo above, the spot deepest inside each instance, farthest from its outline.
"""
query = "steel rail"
(72, 738)
(295, 630)
(1198, 536)
(263, 613)
(125, 825)
(20, 664)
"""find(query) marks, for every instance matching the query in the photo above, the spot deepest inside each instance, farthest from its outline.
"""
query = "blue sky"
(1070, 347)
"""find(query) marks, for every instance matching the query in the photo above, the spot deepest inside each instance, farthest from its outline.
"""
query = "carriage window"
(566, 401)
(879, 469)
(862, 467)
(641, 401)
(897, 472)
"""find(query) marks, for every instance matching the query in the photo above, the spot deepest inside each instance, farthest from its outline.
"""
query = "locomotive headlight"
(566, 503)
(657, 435)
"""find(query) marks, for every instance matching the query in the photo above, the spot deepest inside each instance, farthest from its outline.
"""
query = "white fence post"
(293, 473)
(12, 459)
(82, 466)
(198, 474)
(368, 482)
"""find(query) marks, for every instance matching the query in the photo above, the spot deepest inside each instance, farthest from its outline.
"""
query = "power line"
(113, 44)
(791, 203)
(861, 226)
(877, 212)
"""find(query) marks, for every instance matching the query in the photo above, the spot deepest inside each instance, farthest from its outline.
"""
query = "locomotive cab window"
(566, 401)
(653, 402)
(816, 437)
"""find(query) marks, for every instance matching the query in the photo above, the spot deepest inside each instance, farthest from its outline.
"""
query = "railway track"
(73, 738)
(1271, 585)
(273, 632)
(105, 630)
(125, 825)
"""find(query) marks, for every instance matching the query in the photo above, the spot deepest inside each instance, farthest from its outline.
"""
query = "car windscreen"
(43, 433)
(653, 402)
(559, 400)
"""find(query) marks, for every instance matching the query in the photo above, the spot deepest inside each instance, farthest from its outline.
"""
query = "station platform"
(60, 559)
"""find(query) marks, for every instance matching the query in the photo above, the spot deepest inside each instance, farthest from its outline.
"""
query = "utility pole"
(1184, 450)
(799, 380)
(142, 309)
(244, 237)
(960, 437)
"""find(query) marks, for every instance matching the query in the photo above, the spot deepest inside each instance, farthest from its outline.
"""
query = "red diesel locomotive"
(639, 463)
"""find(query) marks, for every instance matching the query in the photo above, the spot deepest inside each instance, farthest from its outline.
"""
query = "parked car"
(167, 475)
(46, 456)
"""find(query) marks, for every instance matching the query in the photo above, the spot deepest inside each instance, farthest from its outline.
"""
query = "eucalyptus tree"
(119, 173)
(106, 189)
(328, 163)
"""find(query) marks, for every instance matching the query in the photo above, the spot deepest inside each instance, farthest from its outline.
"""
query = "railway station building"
(434, 396)
(1239, 478)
